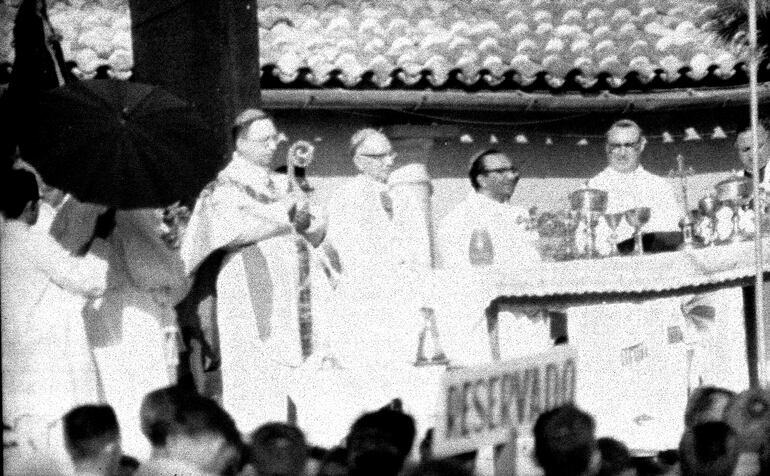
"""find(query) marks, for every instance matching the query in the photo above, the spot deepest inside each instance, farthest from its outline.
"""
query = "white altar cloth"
(637, 354)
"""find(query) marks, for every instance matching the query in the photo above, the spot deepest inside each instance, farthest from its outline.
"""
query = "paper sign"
(479, 405)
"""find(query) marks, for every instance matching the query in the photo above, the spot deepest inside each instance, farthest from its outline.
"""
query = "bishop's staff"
(300, 154)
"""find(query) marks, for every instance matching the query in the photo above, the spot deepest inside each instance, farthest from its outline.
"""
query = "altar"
(646, 328)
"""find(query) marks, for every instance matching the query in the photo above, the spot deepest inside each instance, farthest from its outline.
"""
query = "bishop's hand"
(300, 216)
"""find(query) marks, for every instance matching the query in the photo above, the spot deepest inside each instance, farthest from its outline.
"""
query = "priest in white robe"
(488, 219)
(629, 185)
(488, 207)
(373, 324)
(244, 218)
(633, 355)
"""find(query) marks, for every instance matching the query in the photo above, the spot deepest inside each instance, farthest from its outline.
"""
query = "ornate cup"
(735, 190)
(637, 218)
(735, 193)
(589, 204)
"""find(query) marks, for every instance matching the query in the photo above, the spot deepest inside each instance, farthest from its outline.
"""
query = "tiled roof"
(461, 44)
(518, 42)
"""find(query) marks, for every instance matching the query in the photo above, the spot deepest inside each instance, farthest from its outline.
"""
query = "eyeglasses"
(275, 138)
(502, 170)
(624, 145)
(381, 157)
(747, 149)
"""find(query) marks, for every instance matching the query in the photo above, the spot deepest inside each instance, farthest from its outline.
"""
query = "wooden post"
(203, 51)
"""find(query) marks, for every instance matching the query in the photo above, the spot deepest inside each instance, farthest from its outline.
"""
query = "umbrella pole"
(761, 345)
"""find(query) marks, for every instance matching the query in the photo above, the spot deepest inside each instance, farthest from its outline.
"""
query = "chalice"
(613, 221)
(637, 218)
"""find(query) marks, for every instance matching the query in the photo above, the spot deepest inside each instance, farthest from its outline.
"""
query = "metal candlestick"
(613, 221)
(429, 335)
(687, 224)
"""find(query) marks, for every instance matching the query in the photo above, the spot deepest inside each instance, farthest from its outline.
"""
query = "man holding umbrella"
(135, 149)
(234, 214)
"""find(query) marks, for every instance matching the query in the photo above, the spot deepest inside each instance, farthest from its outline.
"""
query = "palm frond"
(730, 21)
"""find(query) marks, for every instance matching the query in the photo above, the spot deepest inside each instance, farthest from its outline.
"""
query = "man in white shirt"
(487, 212)
(629, 185)
(487, 208)
(241, 218)
(35, 365)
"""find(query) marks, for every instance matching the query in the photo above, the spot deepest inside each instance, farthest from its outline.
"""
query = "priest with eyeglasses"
(629, 185)
(487, 231)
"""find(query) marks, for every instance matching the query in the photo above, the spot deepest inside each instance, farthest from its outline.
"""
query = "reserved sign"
(479, 406)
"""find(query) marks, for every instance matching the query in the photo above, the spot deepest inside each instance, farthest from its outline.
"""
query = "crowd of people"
(725, 434)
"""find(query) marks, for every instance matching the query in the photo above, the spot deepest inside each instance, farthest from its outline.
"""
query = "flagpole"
(762, 357)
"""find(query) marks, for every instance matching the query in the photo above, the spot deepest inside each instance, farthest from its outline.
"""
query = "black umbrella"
(121, 144)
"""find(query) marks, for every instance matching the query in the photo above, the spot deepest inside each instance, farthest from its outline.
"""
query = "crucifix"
(686, 224)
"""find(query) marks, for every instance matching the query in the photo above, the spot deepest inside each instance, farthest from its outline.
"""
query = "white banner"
(479, 405)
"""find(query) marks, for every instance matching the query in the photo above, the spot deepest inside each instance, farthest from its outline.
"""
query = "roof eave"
(334, 99)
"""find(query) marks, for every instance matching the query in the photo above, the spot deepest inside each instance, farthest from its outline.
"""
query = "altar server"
(237, 220)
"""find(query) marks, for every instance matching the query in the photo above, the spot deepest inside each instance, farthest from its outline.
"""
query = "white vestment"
(513, 246)
(639, 188)
(465, 337)
(376, 321)
(256, 289)
(43, 345)
(132, 328)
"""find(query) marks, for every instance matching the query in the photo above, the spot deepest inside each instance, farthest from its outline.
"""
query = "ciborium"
(734, 193)
(589, 204)
(637, 218)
